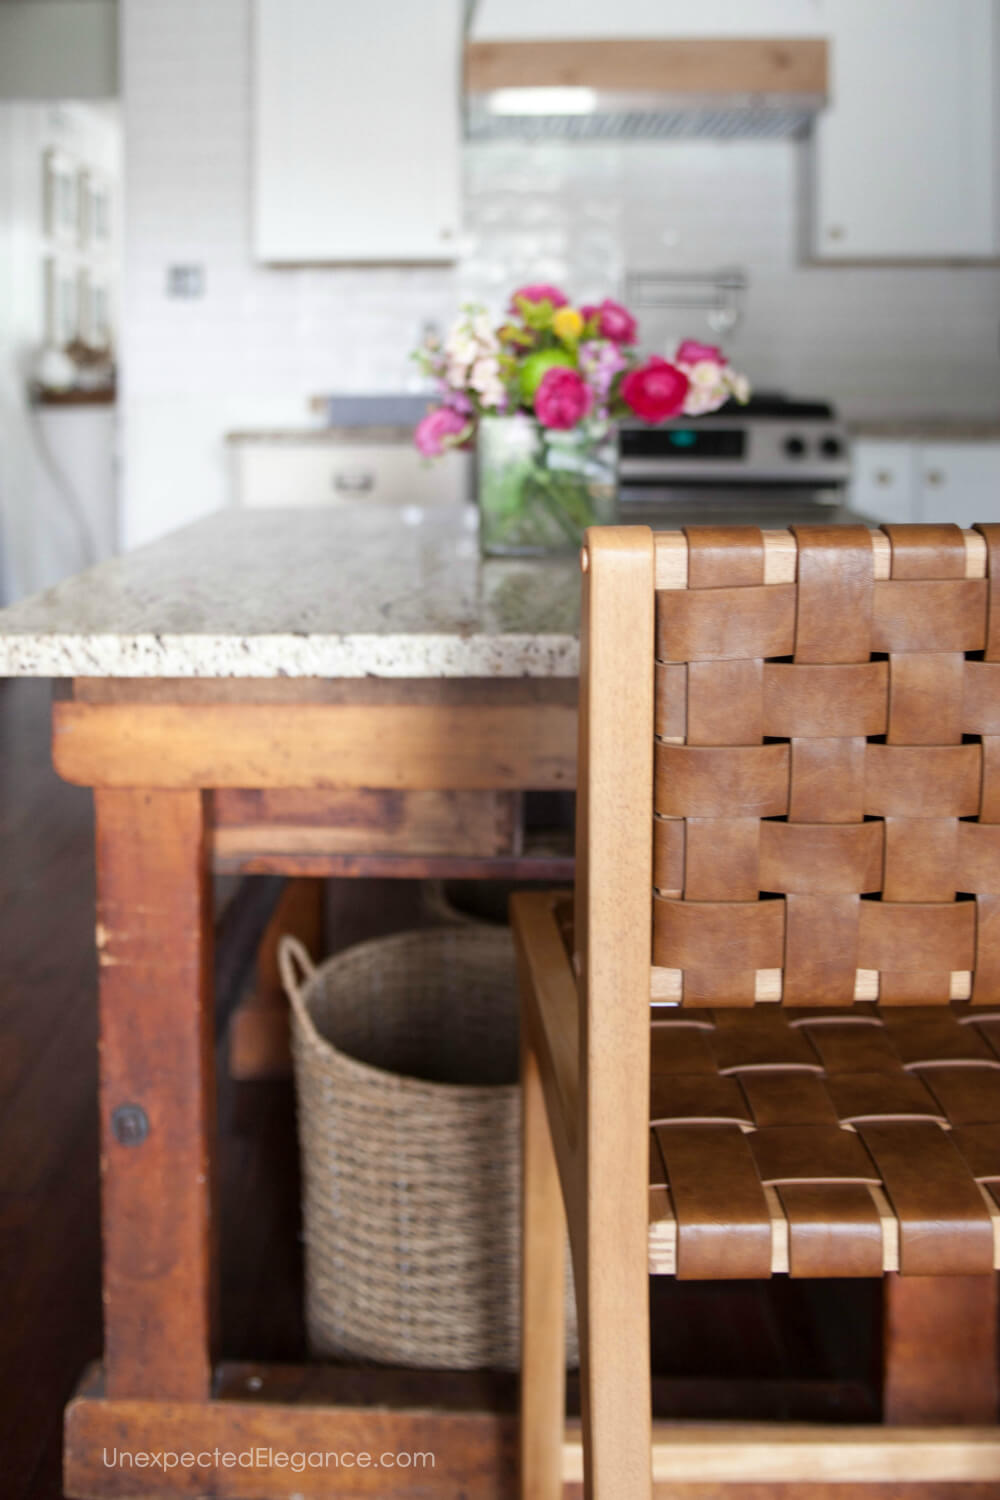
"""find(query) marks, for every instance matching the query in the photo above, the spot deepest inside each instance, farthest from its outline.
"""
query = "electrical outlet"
(185, 281)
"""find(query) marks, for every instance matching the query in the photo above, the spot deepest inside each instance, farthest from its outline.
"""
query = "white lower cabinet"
(958, 482)
(883, 481)
(899, 481)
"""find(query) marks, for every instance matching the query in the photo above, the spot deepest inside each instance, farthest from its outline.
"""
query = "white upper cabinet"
(538, 20)
(357, 130)
(905, 155)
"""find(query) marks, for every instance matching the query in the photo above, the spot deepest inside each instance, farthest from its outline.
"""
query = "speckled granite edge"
(271, 656)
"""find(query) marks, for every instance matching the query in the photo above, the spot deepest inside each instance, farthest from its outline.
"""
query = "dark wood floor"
(49, 1246)
(759, 1338)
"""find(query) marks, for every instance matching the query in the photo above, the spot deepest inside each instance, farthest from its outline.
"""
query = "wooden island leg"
(940, 1350)
(157, 1094)
(259, 1045)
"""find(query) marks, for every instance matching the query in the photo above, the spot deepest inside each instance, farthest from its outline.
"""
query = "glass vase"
(540, 489)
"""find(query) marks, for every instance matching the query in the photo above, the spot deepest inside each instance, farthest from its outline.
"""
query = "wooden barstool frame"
(586, 1078)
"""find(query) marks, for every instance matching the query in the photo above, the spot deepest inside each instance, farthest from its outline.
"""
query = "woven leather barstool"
(765, 1037)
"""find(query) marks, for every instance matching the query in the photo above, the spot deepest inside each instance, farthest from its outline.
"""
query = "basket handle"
(296, 969)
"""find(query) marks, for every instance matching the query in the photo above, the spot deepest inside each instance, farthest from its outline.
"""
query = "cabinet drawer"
(287, 474)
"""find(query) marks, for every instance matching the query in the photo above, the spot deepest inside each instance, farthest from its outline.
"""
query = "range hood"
(652, 89)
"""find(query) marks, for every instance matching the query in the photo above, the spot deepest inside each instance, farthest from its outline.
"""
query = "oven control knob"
(831, 447)
(795, 447)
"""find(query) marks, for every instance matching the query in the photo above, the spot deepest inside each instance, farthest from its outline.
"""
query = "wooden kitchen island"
(301, 693)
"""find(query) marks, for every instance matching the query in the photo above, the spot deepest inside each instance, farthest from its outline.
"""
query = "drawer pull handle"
(883, 476)
(935, 477)
(358, 482)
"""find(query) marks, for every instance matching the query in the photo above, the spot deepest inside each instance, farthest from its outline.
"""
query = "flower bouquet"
(542, 393)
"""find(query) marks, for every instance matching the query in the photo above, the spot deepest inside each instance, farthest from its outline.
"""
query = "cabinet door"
(357, 130)
(903, 157)
(959, 482)
(883, 481)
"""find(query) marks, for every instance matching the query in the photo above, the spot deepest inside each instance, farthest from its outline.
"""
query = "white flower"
(485, 380)
(705, 373)
(456, 372)
(485, 373)
(460, 347)
(482, 330)
(700, 400)
(470, 338)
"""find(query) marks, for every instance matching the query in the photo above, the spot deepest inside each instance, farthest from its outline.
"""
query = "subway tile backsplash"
(891, 340)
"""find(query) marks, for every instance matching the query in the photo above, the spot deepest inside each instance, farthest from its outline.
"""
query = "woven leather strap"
(853, 1121)
(827, 799)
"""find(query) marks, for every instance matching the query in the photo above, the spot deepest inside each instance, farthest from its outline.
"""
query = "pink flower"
(539, 291)
(600, 362)
(456, 400)
(692, 353)
(614, 322)
(562, 398)
(656, 390)
(432, 430)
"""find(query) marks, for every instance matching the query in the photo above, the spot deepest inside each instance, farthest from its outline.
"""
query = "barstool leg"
(940, 1351)
(543, 1314)
(615, 1381)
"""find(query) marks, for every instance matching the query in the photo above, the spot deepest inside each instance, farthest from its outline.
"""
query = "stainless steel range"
(771, 463)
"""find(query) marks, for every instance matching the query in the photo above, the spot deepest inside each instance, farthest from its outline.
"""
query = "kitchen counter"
(351, 591)
(377, 418)
(927, 430)
(338, 692)
(339, 435)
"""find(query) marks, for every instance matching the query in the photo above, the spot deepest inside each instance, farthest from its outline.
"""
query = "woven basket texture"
(406, 1065)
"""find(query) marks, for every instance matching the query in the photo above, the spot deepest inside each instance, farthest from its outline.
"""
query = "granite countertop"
(389, 417)
(352, 591)
(928, 429)
(386, 432)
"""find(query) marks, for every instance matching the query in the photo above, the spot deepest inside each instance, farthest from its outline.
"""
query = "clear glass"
(539, 489)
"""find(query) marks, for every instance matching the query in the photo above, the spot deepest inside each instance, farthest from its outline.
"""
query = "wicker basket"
(406, 1056)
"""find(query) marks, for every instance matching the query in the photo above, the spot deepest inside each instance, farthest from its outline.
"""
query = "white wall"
(262, 341)
(41, 539)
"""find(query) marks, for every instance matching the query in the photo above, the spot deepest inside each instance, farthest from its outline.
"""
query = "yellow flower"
(567, 324)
